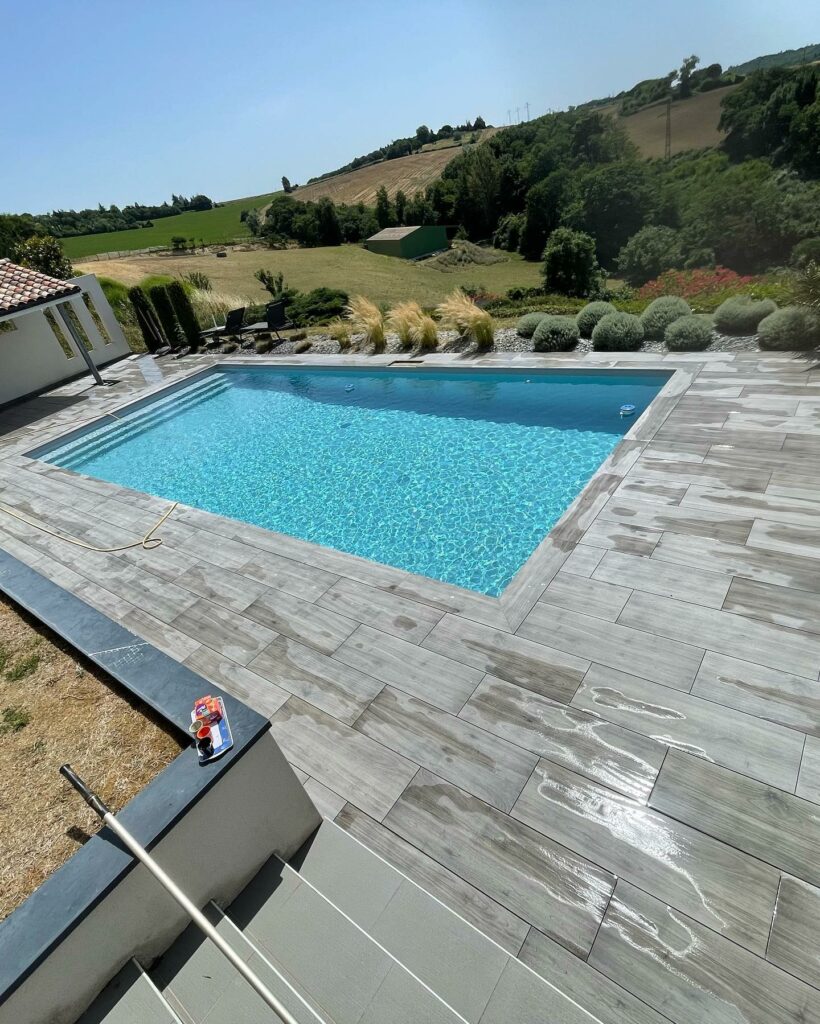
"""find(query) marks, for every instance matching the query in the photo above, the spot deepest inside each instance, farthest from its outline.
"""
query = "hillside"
(786, 58)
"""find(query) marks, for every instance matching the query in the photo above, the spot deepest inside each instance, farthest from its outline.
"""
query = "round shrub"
(789, 329)
(689, 334)
(659, 314)
(617, 332)
(741, 314)
(591, 314)
(648, 253)
(527, 324)
(555, 334)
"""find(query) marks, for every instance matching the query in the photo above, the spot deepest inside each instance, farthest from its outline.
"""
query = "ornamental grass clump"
(401, 319)
(742, 314)
(556, 334)
(339, 331)
(424, 333)
(790, 329)
(659, 314)
(617, 332)
(689, 334)
(460, 313)
(525, 328)
(366, 318)
(591, 314)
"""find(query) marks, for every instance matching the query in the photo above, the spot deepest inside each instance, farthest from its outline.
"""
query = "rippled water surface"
(454, 475)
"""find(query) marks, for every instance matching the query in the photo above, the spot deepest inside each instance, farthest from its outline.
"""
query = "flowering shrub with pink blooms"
(706, 288)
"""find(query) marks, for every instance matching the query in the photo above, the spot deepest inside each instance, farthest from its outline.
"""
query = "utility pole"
(667, 147)
(518, 115)
(509, 117)
(527, 105)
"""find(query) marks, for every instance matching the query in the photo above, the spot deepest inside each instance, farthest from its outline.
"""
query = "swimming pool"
(456, 475)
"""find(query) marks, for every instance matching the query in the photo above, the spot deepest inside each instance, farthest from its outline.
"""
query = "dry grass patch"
(56, 708)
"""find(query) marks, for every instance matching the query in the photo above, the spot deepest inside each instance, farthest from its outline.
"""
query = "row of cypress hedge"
(165, 316)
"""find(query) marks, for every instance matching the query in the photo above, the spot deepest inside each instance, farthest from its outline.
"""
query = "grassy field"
(221, 224)
(355, 270)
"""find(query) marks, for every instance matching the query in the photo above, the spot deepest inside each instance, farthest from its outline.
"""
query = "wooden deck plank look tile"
(689, 973)
(574, 593)
(220, 586)
(780, 605)
(364, 772)
(583, 560)
(652, 576)
(327, 684)
(768, 694)
(638, 540)
(793, 941)
(796, 511)
(439, 681)
(808, 783)
(665, 492)
(617, 646)
(802, 541)
(606, 753)
(540, 881)
(673, 474)
(711, 881)
(739, 741)
(262, 695)
(774, 826)
(484, 913)
(295, 578)
(301, 620)
(387, 612)
(686, 520)
(476, 761)
(542, 669)
(724, 632)
(226, 632)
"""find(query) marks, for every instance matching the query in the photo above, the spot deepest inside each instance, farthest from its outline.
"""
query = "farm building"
(408, 242)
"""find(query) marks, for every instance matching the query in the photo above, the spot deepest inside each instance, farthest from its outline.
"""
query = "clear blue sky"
(112, 102)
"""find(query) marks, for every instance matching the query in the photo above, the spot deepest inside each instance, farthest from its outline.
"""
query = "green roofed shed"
(408, 242)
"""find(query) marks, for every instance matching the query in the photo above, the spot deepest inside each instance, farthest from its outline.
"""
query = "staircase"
(354, 938)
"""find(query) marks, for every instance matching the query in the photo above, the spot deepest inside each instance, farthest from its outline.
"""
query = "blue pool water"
(454, 475)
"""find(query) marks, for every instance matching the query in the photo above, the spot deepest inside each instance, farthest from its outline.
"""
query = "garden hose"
(147, 542)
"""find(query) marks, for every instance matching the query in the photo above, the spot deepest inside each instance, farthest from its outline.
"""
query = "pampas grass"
(366, 318)
(459, 312)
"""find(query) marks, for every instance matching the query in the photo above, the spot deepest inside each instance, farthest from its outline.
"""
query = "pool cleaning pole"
(195, 914)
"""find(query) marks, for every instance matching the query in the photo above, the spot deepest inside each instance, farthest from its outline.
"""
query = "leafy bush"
(555, 334)
(660, 313)
(591, 314)
(525, 328)
(689, 334)
(792, 328)
(648, 253)
(317, 306)
(459, 312)
(163, 307)
(807, 251)
(570, 265)
(742, 314)
(45, 254)
(508, 233)
(184, 310)
(617, 332)
(366, 318)
(696, 285)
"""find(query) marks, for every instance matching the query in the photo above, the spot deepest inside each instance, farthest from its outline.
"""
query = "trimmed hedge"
(161, 301)
(741, 314)
(617, 332)
(689, 334)
(184, 313)
(525, 328)
(555, 334)
(591, 314)
(792, 328)
(662, 312)
(146, 319)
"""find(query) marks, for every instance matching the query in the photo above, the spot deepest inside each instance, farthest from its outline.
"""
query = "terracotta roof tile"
(21, 288)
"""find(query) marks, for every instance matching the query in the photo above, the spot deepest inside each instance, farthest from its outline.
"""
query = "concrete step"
(130, 998)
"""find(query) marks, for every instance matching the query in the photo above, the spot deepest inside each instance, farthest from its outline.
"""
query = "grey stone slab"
(485, 914)
(793, 941)
(614, 645)
(769, 694)
(221, 586)
(301, 620)
(683, 519)
(783, 606)
(592, 597)
(808, 782)
(477, 761)
(689, 973)
(327, 684)
(523, 997)
(226, 632)
(739, 741)
(608, 1002)
(409, 620)
(262, 695)
(583, 560)
(561, 893)
(591, 746)
(401, 999)
(354, 766)
(439, 681)
(540, 668)
(713, 882)
(774, 826)
(724, 632)
(621, 537)
(127, 998)
(457, 962)
(326, 802)
(295, 578)
(653, 576)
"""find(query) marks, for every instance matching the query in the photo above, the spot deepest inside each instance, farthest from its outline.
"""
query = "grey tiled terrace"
(614, 769)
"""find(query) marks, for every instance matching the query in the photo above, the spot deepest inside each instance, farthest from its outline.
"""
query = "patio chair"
(275, 320)
(233, 325)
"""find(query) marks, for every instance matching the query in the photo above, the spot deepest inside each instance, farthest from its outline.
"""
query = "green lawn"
(221, 224)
